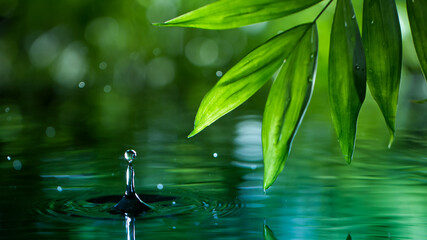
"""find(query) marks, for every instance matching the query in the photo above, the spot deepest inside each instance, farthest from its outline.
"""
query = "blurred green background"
(98, 63)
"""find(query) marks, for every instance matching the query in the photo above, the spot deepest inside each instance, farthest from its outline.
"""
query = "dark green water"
(215, 180)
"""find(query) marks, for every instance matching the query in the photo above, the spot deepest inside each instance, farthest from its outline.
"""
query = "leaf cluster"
(356, 60)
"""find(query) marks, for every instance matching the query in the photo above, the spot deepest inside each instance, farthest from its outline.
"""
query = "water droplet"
(17, 165)
(50, 132)
(357, 67)
(345, 24)
(59, 188)
(82, 84)
(107, 88)
(160, 186)
(173, 203)
(103, 65)
(218, 73)
(215, 155)
(353, 17)
(130, 155)
(372, 22)
(253, 167)
(7, 109)
(173, 227)
(312, 56)
(310, 79)
(8, 158)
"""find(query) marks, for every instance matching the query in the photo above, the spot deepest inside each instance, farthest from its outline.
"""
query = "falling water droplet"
(59, 188)
(357, 67)
(8, 158)
(82, 84)
(312, 56)
(130, 155)
(215, 155)
(353, 17)
(284, 61)
(160, 186)
(372, 22)
(345, 23)
(218, 73)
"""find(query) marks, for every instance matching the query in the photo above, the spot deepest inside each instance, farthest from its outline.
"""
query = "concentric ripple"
(101, 207)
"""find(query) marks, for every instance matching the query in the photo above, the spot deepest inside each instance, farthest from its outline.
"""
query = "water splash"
(131, 204)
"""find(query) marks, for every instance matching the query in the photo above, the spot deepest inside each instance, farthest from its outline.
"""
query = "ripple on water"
(101, 207)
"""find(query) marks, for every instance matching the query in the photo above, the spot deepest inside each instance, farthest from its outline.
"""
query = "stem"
(323, 10)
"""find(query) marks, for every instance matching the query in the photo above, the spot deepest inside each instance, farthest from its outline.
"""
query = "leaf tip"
(390, 142)
(348, 159)
(194, 132)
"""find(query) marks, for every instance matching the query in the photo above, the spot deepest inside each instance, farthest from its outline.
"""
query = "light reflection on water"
(317, 196)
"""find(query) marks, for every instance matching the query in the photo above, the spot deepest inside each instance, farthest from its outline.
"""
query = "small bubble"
(160, 186)
(218, 73)
(82, 84)
(103, 65)
(7, 109)
(50, 132)
(59, 188)
(107, 88)
(17, 165)
(357, 67)
(173, 203)
(130, 155)
(215, 155)
(8, 158)
(173, 227)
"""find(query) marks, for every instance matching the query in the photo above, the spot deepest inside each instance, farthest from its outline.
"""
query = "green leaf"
(226, 14)
(382, 41)
(286, 104)
(268, 233)
(347, 75)
(246, 77)
(417, 10)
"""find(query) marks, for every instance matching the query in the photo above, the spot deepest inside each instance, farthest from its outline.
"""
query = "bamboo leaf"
(226, 14)
(286, 104)
(417, 10)
(347, 76)
(382, 41)
(268, 233)
(246, 77)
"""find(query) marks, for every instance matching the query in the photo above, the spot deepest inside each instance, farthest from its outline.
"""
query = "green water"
(216, 179)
